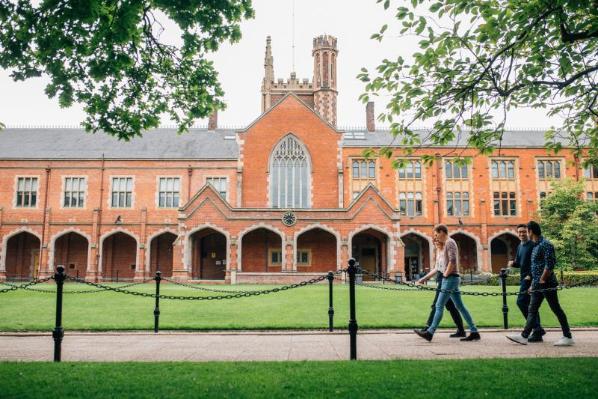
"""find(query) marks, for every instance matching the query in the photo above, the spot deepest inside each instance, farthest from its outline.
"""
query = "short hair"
(441, 228)
(521, 226)
(534, 227)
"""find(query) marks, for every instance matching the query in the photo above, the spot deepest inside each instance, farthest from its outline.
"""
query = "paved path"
(278, 346)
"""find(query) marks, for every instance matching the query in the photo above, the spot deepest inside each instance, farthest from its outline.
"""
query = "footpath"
(282, 346)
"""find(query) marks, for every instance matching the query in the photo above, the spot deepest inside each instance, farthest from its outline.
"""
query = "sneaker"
(542, 332)
(520, 339)
(474, 336)
(458, 334)
(565, 341)
(424, 334)
(535, 338)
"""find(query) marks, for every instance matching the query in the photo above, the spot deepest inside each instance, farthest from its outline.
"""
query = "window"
(364, 169)
(303, 257)
(454, 171)
(590, 196)
(411, 170)
(122, 192)
(457, 203)
(26, 192)
(169, 189)
(591, 172)
(74, 192)
(275, 258)
(549, 170)
(410, 204)
(220, 184)
(543, 194)
(290, 175)
(505, 204)
(503, 169)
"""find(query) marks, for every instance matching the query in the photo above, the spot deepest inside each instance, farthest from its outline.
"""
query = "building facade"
(287, 197)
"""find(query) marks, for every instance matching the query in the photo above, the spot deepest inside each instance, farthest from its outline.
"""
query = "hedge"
(589, 277)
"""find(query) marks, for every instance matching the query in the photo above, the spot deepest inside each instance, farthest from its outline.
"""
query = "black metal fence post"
(505, 308)
(330, 278)
(352, 270)
(58, 332)
(158, 278)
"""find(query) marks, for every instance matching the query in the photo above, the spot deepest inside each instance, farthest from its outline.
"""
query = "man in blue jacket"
(544, 284)
(523, 261)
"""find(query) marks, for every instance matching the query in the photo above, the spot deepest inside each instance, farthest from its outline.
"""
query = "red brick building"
(287, 197)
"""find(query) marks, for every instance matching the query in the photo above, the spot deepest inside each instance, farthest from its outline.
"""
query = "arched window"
(289, 175)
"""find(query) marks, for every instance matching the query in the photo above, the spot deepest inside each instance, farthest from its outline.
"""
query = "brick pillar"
(484, 263)
(289, 264)
(2, 261)
(344, 256)
(93, 267)
(180, 270)
(140, 272)
(44, 256)
(231, 268)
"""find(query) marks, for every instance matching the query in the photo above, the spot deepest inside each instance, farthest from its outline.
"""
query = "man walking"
(449, 288)
(543, 261)
(450, 306)
(523, 261)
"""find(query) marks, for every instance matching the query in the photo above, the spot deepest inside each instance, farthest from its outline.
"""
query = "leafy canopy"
(478, 59)
(571, 224)
(109, 56)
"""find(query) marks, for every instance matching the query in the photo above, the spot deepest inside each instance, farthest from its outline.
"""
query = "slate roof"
(511, 138)
(161, 143)
(165, 143)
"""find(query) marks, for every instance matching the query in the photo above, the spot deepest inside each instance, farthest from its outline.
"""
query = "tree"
(571, 224)
(109, 56)
(478, 59)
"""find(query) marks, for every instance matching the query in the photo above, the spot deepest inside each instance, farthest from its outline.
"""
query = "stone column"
(44, 256)
(289, 265)
(2, 261)
(140, 272)
(93, 267)
(232, 266)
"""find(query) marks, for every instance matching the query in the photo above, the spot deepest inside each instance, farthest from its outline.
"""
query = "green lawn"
(490, 378)
(300, 308)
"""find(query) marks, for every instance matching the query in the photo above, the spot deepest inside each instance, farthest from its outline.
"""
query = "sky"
(240, 65)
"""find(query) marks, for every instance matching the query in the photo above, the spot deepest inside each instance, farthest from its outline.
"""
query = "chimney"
(213, 121)
(370, 121)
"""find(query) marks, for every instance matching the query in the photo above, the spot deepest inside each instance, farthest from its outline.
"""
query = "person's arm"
(451, 250)
(549, 262)
(427, 276)
(517, 262)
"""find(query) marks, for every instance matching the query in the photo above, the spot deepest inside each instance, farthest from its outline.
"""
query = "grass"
(301, 308)
(489, 378)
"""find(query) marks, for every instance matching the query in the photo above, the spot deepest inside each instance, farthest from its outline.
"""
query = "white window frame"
(85, 193)
(225, 178)
(157, 196)
(302, 264)
(16, 188)
(111, 179)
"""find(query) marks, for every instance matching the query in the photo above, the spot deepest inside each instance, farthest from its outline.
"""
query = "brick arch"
(254, 227)
(187, 248)
(9, 236)
(323, 227)
(390, 251)
(55, 237)
(478, 243)
(508, 232)
(148, 245)
(110, 233)
(424, 236)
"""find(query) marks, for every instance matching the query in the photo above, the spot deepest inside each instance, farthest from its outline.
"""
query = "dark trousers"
(552, 298)
(523, 301)
(450, 306)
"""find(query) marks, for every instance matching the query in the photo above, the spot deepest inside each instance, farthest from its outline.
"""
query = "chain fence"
(414, 286)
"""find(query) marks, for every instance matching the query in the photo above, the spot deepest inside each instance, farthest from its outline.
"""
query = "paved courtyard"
(280, 346)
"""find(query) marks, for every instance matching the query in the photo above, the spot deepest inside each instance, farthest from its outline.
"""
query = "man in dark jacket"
(523, 261)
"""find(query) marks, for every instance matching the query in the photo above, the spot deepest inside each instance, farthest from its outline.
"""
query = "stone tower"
(324, 81)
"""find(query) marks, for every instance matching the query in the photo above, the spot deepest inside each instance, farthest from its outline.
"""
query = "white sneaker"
(520, 339)
(565, 341)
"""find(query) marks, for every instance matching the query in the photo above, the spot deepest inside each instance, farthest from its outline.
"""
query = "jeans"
(523, 300)
(552, 298)
(450, 306)
(451, 283)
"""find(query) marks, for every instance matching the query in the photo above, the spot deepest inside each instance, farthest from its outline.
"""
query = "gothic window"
(290, 175)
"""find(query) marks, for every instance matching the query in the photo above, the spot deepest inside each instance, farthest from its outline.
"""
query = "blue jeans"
(451, 283)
